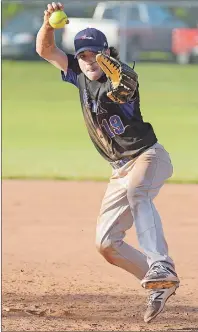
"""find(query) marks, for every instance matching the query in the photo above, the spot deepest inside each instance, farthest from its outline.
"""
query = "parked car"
(18, 37)
(136, 28)
(185, 45)
(19, 33)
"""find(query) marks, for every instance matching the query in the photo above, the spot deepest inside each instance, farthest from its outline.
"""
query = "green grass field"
(44, 135)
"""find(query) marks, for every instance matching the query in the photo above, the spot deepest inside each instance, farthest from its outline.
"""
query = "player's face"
(89, 66)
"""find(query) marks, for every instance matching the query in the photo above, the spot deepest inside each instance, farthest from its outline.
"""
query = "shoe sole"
(148, 321)
(159, 284)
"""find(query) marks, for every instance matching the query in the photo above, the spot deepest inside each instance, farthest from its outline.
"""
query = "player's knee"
(106, 249)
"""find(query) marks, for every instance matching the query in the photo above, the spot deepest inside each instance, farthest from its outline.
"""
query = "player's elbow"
(40, 53)
(43, 53)
(40, 50)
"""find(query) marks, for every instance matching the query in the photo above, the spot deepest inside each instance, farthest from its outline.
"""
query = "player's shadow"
(94, 308)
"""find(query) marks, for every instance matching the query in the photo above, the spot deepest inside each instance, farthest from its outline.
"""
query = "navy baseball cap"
(90, 39)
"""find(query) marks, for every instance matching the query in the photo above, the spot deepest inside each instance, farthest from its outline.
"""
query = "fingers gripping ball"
(58, 19)
(123, 78)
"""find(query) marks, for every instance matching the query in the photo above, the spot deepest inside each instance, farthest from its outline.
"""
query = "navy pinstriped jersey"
(116, 130)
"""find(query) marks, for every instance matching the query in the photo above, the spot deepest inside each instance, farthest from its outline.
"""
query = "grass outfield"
(44, 135)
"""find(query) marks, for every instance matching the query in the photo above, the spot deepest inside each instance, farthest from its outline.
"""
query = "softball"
(58, 19)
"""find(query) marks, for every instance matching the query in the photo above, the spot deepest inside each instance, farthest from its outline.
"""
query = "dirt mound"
(53, 277)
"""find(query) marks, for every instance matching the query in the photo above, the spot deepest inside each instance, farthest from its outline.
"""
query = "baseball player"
(109, 95)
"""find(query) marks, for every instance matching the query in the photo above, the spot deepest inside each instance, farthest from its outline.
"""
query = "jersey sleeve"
(72, 72)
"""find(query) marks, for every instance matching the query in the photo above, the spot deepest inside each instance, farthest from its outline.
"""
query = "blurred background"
(161, 30)
(43, 131)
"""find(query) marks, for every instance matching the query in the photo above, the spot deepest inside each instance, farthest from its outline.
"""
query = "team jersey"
(116, 130)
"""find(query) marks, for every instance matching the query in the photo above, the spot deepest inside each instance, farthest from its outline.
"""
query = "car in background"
(18, 38)
(185, 45)
(19, 33)
(141, 31)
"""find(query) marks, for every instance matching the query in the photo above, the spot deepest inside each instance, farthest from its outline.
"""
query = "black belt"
(121, 162)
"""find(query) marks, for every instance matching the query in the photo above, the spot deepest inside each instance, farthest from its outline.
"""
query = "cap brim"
(91, 48)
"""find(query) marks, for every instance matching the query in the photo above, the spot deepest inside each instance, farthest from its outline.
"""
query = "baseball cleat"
(160, 276)
(156, 301)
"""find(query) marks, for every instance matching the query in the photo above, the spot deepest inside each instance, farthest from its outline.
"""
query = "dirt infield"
(53, 277)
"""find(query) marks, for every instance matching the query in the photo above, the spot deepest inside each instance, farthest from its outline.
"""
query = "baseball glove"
(123, 78)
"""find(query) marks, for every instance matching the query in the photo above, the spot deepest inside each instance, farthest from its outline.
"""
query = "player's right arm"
(45, 41)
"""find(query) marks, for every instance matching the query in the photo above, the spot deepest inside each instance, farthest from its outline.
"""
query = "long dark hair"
(114, 53)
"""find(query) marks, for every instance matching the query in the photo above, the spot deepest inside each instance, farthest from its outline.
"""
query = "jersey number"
(117, 127)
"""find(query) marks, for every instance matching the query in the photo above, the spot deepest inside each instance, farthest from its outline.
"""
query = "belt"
(119, 163)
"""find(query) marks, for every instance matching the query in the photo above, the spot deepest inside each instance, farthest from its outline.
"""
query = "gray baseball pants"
(129, 199)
